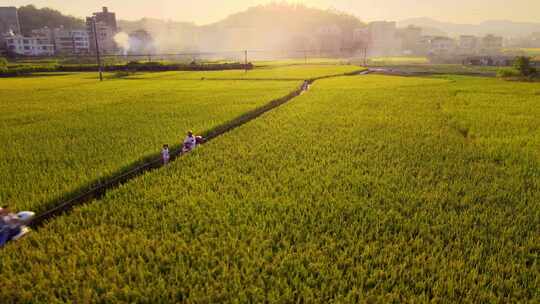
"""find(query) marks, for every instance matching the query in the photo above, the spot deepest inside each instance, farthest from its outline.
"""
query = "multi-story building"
(65, 41)
(442, 46)
(9, 21)
(107, 18)
(329, 39)
(28, 46)
(105, 26)
(425, 44)
(71, 41)
(44, 35)
(468, 45)
(491, 44)
(361, 36)
(411, 37)
(383, 39)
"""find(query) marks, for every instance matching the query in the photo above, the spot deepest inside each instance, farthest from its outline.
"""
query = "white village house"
(29, 46)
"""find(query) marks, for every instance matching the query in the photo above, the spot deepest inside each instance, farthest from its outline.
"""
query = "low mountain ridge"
(506, 28)
(32, 18)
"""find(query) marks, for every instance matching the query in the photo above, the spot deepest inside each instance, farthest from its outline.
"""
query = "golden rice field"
(363, 189)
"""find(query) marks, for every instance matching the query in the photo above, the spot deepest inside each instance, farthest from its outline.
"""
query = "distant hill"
(265, 27)
(508, 29)
(295, 18)
(32, 18)
(153, 25)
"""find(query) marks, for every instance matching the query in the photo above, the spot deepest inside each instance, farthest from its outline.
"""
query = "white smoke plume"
(122, 40)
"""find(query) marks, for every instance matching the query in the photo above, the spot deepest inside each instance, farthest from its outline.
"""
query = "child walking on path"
(165, 156)
(189, 143)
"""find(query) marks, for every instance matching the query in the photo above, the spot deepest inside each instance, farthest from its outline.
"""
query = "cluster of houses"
(58, 41)
(530, 41)
(380, 38)
(383, 38)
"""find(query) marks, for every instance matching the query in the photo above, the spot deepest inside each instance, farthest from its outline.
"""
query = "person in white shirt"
(189, 143)
(165, 155)
(11, 226)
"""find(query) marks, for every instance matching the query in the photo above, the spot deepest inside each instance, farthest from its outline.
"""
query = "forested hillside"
(32, 18)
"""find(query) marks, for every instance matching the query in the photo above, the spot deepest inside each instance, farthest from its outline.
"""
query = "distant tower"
(9, 20)
(107, 18)
(384, 40)
(106, 29)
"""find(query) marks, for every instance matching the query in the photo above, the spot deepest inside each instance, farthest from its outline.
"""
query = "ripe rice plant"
(292, 72)
(364, 189)
(300, 62)
(398, 60)
(62, 134)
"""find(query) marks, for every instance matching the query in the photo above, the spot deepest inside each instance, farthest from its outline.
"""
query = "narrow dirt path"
(102, 188)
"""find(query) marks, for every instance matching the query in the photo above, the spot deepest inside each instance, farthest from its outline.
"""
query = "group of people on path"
(190, 143)
(14, 226)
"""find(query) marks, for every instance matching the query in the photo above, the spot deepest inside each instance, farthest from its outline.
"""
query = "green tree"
(523, 65)
(3, 64)
(32, 18)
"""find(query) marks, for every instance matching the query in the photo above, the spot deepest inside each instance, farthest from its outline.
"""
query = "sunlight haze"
(208, 11)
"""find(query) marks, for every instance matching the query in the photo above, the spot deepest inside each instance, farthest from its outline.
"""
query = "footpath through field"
(85, 136)
(370, 188)
(115, 181)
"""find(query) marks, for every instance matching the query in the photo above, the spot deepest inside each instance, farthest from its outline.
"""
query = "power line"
(301, 53)
(97, 48)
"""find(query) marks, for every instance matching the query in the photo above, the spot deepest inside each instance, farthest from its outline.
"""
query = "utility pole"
(365, 56)
(246, 60)
(98, 58)
(365, 49)
(72, 43)
(305, 56)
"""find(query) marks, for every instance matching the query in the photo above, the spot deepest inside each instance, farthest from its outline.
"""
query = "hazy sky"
(207, 11)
